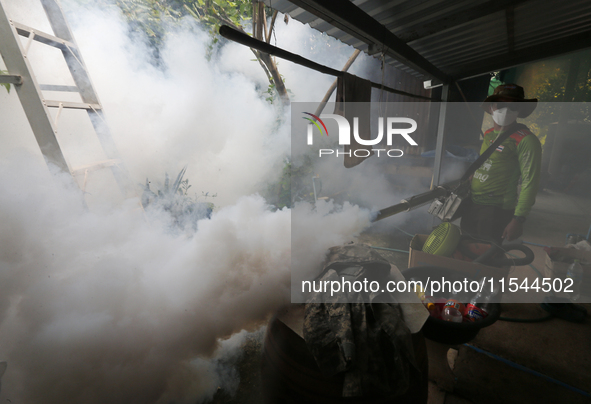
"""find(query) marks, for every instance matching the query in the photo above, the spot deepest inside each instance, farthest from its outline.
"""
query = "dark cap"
(514, 93)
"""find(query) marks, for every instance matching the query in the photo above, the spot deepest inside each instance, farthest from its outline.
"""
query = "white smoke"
(103, 306)
(317, 228)
(106, 308)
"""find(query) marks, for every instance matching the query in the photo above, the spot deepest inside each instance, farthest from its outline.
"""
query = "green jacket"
(495, 182)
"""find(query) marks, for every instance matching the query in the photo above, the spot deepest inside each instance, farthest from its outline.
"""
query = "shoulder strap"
(480, 160)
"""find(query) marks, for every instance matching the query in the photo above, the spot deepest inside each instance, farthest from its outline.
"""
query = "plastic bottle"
(440, 303)
(452, 314)
(575, 272)
(480, 304)
(475, 310)
(434, 310)
(462, 296)
(418, 289)
(455, 301)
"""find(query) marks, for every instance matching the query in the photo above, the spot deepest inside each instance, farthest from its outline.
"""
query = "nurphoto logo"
(344, 134)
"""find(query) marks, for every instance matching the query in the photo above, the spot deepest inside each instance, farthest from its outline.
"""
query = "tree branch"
(256, 54)
(260, 20)
(254, 18)
(271, 26)
(264, 23)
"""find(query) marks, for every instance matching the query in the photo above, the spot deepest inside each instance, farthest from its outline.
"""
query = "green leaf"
(194, 14)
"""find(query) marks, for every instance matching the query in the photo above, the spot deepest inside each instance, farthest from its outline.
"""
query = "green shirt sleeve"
(529, 152)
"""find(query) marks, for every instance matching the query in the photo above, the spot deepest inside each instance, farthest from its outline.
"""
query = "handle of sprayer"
(490, 253)
(488, 257)
(526, 260)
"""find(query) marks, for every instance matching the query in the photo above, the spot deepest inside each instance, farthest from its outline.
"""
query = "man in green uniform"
(498, 210)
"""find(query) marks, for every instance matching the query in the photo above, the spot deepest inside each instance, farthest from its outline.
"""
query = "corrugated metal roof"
(469, 37)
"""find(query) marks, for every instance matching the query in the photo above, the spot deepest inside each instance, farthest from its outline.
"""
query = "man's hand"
(513, 230)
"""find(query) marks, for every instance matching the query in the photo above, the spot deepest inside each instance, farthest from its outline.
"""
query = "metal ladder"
(35, 105)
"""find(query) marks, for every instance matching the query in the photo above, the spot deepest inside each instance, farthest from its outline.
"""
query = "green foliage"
(214, 13)
(279, 192)
(150, 17)
(184, 187)
(551, 92)
(271, 95)
(294, 184)
(550, 79)
(5, 85)
(271, 92)
(183, 210)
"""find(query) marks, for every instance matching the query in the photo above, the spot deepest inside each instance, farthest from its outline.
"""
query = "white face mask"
(504, 116)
